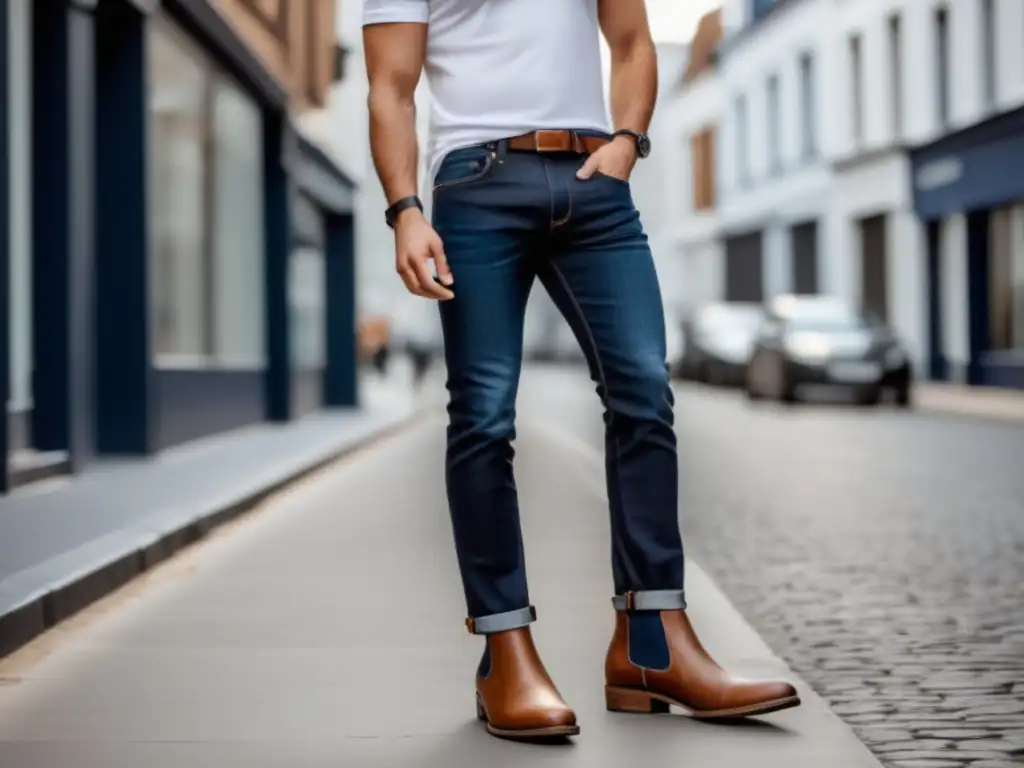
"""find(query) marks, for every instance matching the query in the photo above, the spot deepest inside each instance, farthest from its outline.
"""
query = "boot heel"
(481, 715)
(629, 700)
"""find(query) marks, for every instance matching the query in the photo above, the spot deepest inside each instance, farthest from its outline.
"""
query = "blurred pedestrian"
(416, 322)
(381, 357)
(529, 181)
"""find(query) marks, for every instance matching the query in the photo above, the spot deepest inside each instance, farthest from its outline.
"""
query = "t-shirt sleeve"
(395, 11)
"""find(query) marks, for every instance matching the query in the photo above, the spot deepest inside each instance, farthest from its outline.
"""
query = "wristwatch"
(398, 206)
(643, 142)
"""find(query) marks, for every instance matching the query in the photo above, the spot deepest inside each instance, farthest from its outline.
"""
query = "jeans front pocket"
(613, 179)
(463, 166)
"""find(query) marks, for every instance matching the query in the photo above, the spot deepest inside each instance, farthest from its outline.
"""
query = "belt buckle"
(631, 601)
(547, 132)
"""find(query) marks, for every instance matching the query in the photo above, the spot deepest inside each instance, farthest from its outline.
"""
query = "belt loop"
(500, 148)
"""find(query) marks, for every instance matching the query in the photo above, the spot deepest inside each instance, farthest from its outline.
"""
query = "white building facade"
(879, 62)
(775, 194)
(694, 114)
(909, 72)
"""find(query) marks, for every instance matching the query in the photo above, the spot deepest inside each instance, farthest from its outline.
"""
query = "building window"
(238, 245)
(809, 139)
(178, 278)
(857, 90)
(896, 74)
(206, 215)
(942, 66)
(1006, 275)
(989, 52)
(742, 142)
(760, 8)
(20, 139)
(774, 129)
(307, 308)
(702, 153)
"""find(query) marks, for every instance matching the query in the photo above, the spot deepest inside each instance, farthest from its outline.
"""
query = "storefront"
(967, 191)
(178, 261)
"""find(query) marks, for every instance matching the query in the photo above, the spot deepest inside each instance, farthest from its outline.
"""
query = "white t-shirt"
(499, 68)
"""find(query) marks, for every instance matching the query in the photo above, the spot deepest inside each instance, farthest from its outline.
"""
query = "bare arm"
(634, 81)
(395, 51)
(394, 60)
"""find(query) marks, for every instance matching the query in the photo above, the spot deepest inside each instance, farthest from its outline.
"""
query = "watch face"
(643, 145)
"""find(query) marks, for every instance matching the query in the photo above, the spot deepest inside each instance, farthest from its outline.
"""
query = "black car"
(820, 341)
(718, 340)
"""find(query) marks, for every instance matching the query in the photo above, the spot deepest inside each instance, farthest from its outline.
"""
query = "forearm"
(393, 141)
(634, 85)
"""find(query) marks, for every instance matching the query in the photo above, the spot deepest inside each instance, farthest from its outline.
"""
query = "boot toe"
(537, 720)
(558, 716)
(773, 690)
(543, 715)
(754, 695)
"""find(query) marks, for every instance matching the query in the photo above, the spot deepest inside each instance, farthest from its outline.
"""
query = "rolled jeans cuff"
(501, 622)
(653, 600)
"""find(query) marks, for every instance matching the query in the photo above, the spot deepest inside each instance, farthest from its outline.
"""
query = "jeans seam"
(551, 196)
(600, 372)
(568, 213)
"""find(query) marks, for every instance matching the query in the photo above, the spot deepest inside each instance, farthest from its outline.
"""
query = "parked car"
(808, 340)
(718, 342)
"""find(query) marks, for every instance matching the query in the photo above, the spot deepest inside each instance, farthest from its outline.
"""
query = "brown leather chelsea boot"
(655, 660)
(515, 697)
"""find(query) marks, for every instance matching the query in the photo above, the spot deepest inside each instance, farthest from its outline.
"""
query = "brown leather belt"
(556, 141)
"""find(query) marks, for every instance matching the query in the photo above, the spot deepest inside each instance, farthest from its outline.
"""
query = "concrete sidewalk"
(67, 542)
(326, 630)
(988, 402)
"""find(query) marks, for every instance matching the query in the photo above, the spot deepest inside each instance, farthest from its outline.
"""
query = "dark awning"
(318, 176)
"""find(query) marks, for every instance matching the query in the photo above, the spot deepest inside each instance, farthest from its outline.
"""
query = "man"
(530, 183)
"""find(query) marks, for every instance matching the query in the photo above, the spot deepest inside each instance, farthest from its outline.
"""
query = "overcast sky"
(673, 21)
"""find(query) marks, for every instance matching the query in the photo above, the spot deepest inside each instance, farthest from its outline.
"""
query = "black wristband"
(391, 213)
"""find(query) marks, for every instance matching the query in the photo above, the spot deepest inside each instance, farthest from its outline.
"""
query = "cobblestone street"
(880, 553)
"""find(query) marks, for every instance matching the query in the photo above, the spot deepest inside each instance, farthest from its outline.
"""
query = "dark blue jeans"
(507, 218)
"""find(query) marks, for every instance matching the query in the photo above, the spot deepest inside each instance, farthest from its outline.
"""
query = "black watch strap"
(391, 213)
(642, 141)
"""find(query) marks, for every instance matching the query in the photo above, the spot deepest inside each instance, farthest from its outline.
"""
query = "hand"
(416, 243)
(615, 159)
